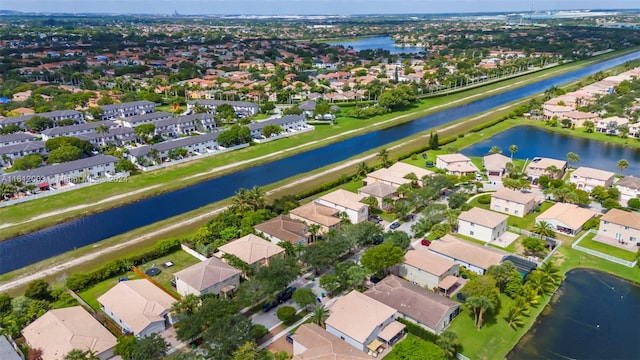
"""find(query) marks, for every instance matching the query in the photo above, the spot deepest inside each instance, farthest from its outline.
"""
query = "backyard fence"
(193, 253)
(599, 254)
(461, 357)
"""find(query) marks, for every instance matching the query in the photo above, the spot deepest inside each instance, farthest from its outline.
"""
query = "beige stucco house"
(620, 228)
(315, 213)
(212, 276)
(455, 164)
(311, 342)
(565, 218)
(429, 270)
(629, 187)
(283, 228)
(539, 165)
(251, 249)
(474, 257)
(347, 202)
(482, 224)
(515, 203)
(587, 178)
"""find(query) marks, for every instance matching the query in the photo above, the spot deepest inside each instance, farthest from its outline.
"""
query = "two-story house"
(587, 178)
(552, 168)
(513, 202)
(212, 276)
(620, 228)
(482, 224)
(347, 202)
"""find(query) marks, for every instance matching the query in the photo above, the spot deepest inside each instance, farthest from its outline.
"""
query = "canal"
(533, 141)
(27, 249)
(592, 316)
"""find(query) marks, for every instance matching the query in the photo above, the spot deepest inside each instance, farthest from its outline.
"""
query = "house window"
(606, 222)
(626, 228)
(506, 209)
(472, 224)
(470, 232)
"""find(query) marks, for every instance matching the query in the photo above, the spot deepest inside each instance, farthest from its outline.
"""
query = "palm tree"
(257, 198)
(362, 170)
(413, 177)
(479, 305)
(543, 228)
(313, 230)
(513, 149)
(383, 155)
(495, 150)
(553, 171)
(589, 126)
(187, 305)
(29, 188)
(102, 129)
(550, 272)
(447, 341)
(622, 164)
(514, 317)
(319, 315)
(242, 200)
(154, 154)
(573, 158)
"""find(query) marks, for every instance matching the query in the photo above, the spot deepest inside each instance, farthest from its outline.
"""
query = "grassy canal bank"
(33, 215)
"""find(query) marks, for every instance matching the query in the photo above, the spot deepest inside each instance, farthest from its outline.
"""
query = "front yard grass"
(589, 243)
(525, 223)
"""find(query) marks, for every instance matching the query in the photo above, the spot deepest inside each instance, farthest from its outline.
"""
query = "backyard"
(589, 243)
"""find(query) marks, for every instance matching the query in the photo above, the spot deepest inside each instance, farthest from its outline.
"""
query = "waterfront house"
(288, 124)
(578, 118)
(420, 306)
(482, 224)
(513, 202)
(495, 164)
(311, 342)
(620, 228)
(380, 191)
(283, 228)
(195, 145)
(138, 307)
(127, 109)
(358, 319)
(396, 175)
(212, 276)
(474, 257)
(552, 168)
(549, 110)
(347, 202)
(587, 178)
(455, 164)
(59, 331)
(610, 125)
(252, 249)
(629, 187)
(315, 213)
(428, 270)
(566, 218)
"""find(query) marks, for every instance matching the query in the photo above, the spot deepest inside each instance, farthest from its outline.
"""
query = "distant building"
(629, 188)
(148, 118)
(127, 109)
(241, 108)
(587, 178)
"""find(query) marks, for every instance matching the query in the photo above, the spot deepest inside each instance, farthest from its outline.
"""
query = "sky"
(306, 7)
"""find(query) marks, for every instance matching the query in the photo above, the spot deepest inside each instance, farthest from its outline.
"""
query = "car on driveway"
(286, 294)
(375, 218)
(425, 242)
(394, 225)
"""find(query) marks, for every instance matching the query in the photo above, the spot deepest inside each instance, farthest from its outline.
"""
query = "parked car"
(286, 294)
(269, 305)
(425, 242)
(394, 225)
(375, 218)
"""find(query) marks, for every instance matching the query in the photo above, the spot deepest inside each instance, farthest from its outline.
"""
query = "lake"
(592, 316)
(533, 141)
(27, 249)
(377, 42)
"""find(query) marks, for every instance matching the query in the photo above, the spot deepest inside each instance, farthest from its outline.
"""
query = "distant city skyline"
(305, 7)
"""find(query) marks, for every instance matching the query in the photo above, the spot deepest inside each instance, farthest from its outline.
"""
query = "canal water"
(377, 42)
(533, 141)
(592, 316)
(27, 249)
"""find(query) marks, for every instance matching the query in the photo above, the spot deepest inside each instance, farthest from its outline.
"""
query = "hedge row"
(419, 331)
(489, 124)
(81, 280)
(324, 187)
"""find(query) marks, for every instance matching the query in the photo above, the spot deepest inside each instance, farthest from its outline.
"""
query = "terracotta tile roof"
(344, 198)
(483, 217)
(378, 189)
(322, 345)
(251, 249)
(568, 214)
(61, 330)
(207, 273)
(317, 213)
(591, 173)
(429, 262)
(284, 228)
(468, 252)
(357, 315)
(517, 197)
(624, 218)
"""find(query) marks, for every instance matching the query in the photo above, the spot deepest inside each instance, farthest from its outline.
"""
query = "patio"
(505, 239)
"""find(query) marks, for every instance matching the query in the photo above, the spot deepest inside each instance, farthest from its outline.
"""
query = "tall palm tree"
(313, 230)
(319, 315)
(257, 198)
(383, 155)
(447, 341)
(550, 272)
(413, 177)
(513, 149)
(479, 305)
(514, 317)
(186, 306)
(543, 228)
(495, 150)
(622, 164)
(361, 170)
(242, 200)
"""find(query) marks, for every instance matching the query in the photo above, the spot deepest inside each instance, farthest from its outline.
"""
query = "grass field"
(589, 243)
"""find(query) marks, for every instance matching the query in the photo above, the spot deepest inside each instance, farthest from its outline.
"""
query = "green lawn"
(527, 222)
(589, 243)
(179, 258)
(414, 341)
(495, 339)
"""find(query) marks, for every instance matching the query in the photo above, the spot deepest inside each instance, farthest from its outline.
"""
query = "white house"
(149, 118)
(629, 187)
(482, 224)
(74, 130)
(240, 107)
(396, 175)
(474, 257)
(289, 124)
(587, 178)
(212, 276)
(16, 138)
(127, 109)
(284, 228)
(138, 307)
(348, 202)
(515, 203)
(427, 269)
(16, 151)
(620, 228)
(185, 125)
(455, 164)
(195, 145)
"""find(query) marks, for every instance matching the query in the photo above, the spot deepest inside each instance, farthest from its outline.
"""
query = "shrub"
(286, 314)
(258, 331)
(634, 203)
(419, 331)
(484, 199)
(591, 224)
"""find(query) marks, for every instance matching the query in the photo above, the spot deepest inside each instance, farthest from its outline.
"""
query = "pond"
(533, 141)
(592, 316)
(377, 42)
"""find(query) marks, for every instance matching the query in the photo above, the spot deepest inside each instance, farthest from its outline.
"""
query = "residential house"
(10, 351)
(75, 130)
(495, 164)
(474, 257)
(566, 218)
(482, 224)
(587, 178)
(380, 191)
(212, 276)
(251, 249)
(396, 175)
(195, 145)
(308, 108)
(289, 124)
(240, 107)
(455, 164)
(420, 306)
(578, 118)
(127, 109)
(610, 125)
(76, 171)
(512, 202)
(549, 111)
(10, 153)
(283, 228)
(59, 331)
(119, 136)
(315, 213)
(629, 187)
(16, 138)
(429, 270)
(148, 118)
(620, 228)
(138, 307)
(311, 342)
(53, 115)
(543, 166)
(347, 202)
(185, 125)
(359, 319)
